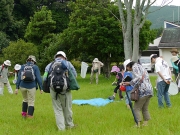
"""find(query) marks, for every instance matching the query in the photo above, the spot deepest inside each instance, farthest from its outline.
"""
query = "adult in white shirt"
(163, 81)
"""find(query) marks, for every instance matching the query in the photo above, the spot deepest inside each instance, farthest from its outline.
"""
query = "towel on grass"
(93, 102)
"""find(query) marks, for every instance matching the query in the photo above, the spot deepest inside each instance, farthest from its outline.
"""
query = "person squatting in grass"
(145, 90)
(62, 103)
(119, 76)
(28, 88)
(163, 81)
(4, 77)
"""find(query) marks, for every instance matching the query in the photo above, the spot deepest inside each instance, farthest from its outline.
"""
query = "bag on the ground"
(135, 94)
(73, 82)
(28, 74)
(59, 78)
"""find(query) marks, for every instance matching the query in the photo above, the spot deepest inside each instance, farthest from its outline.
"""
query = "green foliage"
(146, 35)
(4, 41)
(40, 25)
(16, 30)
(93, 30)
(111, 119)
(18, 52)
(6, 8)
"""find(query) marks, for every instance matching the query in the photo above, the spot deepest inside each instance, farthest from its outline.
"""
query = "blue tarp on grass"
(93, 102)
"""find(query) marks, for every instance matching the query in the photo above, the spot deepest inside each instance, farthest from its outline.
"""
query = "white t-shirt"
(162, 67)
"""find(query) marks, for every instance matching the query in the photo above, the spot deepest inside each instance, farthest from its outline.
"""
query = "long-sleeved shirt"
(145, 87)
(4, 74)
(29, 85)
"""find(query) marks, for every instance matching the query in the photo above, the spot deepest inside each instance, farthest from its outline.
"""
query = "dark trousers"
(120, 92)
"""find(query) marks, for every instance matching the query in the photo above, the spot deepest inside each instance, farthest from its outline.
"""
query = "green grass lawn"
(112, 119)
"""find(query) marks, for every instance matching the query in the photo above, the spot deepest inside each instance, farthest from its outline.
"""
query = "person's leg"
(91, 77)
(97, 79)
(161, 87)
(31, 100)
(9, 87)
(25, 101)
(145, 112)
(66, 101)
(138, 107)
(166, 96)
(1, 88)
(58, 110)
(120, 94)
(126, 98)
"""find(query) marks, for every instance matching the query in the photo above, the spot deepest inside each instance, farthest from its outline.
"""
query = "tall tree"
(40, 28)
(138, 19)
(6, 8)
(93, 31)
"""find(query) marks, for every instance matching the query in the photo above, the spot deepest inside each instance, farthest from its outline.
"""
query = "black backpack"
(59, 79)
(28, 73)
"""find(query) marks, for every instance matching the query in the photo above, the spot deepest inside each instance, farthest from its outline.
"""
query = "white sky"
(174, 2)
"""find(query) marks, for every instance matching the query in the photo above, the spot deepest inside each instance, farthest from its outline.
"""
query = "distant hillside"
(166, 13)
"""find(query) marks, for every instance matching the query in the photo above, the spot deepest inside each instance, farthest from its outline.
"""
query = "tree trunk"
(106, 68)
(127, 45)
(135, 44)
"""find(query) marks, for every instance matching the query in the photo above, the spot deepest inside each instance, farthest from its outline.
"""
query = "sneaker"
(71, 127)
(111, 98)
(30, 116)
(128, 107)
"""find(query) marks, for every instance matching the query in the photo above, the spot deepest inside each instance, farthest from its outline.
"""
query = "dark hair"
(130, 64)
(121, 67)
(154, 56)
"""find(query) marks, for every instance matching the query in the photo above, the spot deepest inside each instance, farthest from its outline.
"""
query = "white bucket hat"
(126, 62)
(60, 53)
(96, 60)
(32, 57)
(7, 62)
(17, 67)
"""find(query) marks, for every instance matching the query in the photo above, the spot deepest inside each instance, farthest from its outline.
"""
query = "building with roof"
(170, 39)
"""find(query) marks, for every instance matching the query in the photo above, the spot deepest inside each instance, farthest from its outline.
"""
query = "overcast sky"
(174, 2)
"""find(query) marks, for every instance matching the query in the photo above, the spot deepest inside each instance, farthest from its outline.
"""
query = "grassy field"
(112, 119)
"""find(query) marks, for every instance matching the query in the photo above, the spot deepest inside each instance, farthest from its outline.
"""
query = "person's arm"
(38, 77)
(167, 81)
(174, 65)
(72, 69)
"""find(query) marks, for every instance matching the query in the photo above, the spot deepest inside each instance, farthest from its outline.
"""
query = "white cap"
(61, 53)
(17, 67)
(7, 62)
(126, 62)
(152, 55)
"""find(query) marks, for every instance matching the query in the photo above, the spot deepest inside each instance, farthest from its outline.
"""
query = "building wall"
(166, 54)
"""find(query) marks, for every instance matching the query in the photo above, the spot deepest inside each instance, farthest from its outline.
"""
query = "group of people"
(62, 103)
(140, 77)
(28, 79)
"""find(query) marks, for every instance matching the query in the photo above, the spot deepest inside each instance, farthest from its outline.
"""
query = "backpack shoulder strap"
(50, 68)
